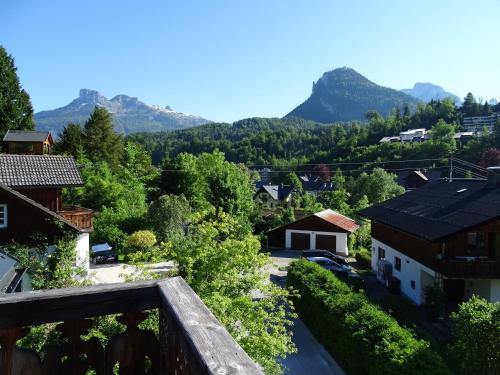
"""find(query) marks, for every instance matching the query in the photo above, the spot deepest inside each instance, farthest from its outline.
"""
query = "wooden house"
(446, 232)
(25, 142)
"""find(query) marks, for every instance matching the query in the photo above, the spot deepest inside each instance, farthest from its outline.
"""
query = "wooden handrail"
(191, 341)
(207, 346)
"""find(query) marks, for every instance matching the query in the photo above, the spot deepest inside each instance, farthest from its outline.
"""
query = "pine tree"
(70, 141)
(16, 111)
(101, 141)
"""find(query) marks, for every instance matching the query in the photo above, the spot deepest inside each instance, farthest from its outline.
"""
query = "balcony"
(191, 340)
(470, 268)
(79, 216)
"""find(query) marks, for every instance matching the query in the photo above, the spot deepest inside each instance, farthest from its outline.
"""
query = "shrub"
(364, 258)
(363, 338)
(476, 349)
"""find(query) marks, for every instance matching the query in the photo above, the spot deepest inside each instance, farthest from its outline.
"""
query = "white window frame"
(4, 224)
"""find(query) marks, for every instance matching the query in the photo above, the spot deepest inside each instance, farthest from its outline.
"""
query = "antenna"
(451, 170)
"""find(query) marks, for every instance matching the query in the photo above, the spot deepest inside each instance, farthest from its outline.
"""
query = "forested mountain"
(428, 91)
(345, 95)
(130, 115)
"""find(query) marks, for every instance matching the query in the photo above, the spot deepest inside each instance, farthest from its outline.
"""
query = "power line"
(355, 163)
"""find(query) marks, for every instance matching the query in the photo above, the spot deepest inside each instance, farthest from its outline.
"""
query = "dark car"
(107, 256)
(103, 253)
(330, 265)
(326, 254)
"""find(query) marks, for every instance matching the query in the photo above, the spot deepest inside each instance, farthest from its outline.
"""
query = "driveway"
(311, 357)
(109, 273)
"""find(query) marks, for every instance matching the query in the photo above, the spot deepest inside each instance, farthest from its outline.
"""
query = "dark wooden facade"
(190, 341)
(24, 220)
(29, 148)
(47, 197)
(450, 256)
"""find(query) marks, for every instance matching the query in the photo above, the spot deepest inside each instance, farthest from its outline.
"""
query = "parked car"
(103, 253)
(330, 265)
(326, 254)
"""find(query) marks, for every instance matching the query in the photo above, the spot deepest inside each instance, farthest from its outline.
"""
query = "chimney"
(494, 176)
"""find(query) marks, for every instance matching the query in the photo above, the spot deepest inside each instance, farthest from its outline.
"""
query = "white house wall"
(340, 238)
(410, 270)
(82, 251)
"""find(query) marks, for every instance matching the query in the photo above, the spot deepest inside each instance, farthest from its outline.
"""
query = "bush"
(364, 258)
(362, 338)
(476, 349)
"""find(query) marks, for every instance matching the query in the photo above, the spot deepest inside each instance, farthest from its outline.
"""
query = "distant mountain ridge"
(130, 115)
(427, 91)
(345, 95)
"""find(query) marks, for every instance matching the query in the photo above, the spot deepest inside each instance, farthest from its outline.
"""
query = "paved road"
(116, 272)
(311, 357)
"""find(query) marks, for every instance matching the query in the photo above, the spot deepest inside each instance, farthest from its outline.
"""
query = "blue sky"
(227, 60)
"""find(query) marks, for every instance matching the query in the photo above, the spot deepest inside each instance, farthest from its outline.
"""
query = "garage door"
(301, 241)
(324, 242)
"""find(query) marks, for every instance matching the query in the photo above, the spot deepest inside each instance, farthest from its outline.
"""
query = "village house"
(23, 142)
(445, 233)
(325, 230)
(313, 184)
(274, 196)
(31, 201)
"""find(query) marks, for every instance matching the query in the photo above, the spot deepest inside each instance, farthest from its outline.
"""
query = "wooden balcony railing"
(470, 269)
(191, 340)
(81, 217)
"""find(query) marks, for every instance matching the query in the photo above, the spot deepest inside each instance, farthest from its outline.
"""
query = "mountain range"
(345, 95)
(130, 115)
(428, 91)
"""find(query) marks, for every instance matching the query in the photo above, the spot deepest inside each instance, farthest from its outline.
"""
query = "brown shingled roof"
(337, 219)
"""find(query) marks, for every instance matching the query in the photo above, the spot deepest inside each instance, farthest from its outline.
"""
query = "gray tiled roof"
(19, 171)
(25, 136)
(439, 209)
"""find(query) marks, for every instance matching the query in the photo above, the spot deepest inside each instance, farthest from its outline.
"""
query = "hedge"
(360, 336)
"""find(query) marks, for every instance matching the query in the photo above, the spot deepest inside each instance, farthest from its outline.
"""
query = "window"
(3, 216)
(412, 284)
(476, 243)
(397, 263)
(381, 253)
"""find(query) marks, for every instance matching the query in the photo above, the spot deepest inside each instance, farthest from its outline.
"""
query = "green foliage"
(224, 266)
(360, 336)
(364, 258)
(70, 141)
(141, 240)
(377, 186)
(49, 268)
(167, 215)
(16, 111)
(209, 180)
(434, 298)
(101, 142)
(476, 349)
(442, 135)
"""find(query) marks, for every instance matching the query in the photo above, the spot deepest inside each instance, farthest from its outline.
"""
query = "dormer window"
(3, 216)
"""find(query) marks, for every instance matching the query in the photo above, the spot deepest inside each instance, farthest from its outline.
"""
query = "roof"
(26, 136)
(440, 209)
(277, 192)
(329, 216)
(20, 171)
(426, 175)
(38, 206)
(337, 219)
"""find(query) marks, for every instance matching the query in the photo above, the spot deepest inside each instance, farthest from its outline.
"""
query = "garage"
(325, 230)
(326, 242)
(301, 241)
